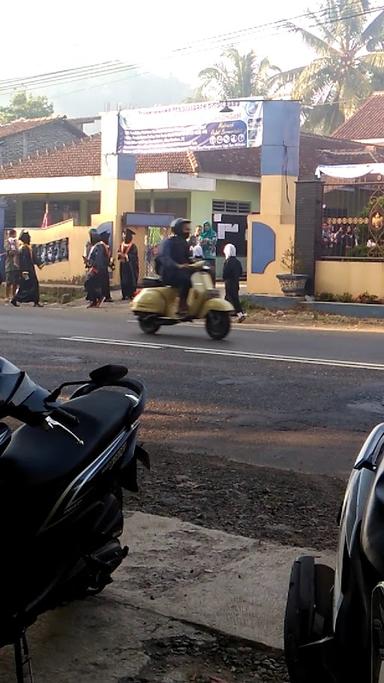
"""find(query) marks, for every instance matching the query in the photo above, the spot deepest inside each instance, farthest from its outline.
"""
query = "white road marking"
(228, 353)
(18, 332)
(235, 327)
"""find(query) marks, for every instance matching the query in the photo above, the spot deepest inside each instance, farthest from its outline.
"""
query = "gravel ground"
(305, 318)
(279, 505)
(220, 660)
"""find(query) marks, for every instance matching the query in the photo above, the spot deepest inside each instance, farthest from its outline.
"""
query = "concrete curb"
(284, 303)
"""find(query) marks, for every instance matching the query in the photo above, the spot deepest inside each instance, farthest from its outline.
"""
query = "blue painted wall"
(126, 166)
(263, 247)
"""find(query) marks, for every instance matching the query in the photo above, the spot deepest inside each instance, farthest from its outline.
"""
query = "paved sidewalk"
(175, 573)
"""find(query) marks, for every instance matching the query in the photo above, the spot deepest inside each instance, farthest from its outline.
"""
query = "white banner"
(196, 126)
(350, 171)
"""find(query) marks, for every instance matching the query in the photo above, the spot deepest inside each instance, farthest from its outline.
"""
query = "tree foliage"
(348, 66)
(23, 106)
(237, 75)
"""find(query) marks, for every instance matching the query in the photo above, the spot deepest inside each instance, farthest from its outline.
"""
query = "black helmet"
(25, 237)
(178, 224)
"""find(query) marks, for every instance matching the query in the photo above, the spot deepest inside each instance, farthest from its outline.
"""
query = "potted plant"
(292, 283)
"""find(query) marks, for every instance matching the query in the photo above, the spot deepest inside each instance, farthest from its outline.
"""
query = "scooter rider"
(175, 261)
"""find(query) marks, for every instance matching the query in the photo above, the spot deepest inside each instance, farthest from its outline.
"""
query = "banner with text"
(195, 127)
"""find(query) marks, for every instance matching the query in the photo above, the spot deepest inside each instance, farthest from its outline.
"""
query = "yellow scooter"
(157, 305)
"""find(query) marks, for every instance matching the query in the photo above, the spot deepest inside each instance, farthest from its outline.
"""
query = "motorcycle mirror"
(108, 373)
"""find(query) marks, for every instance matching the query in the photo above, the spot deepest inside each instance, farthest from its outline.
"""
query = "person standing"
(28, 289)
(12, 268)
(92, 282)
(90, 243)
(208, 241)
(105, 263)
(232, 272)
(129, 265)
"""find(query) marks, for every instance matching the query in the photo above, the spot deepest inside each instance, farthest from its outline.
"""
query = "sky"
(51, 36)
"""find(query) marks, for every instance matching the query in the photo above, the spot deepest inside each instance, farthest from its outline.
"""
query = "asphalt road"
(300, 399)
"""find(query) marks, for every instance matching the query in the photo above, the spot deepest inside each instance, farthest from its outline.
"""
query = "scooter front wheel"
(218, 324)
(149, 324)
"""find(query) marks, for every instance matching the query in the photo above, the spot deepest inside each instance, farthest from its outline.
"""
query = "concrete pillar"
(117, 181)
(19, 212)
(83, 213)
(309, 203)
(152, 201)
(270, 233)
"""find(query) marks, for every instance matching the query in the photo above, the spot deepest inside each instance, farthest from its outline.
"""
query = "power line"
(100, 70)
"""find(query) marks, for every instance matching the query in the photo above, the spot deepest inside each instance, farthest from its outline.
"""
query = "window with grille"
(226, 206)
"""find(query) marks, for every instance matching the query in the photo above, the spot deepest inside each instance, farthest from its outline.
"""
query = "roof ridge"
(22, 119)
(192, 160)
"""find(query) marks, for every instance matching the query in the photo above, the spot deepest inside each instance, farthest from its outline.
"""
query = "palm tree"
(237, 76)
(349, 58)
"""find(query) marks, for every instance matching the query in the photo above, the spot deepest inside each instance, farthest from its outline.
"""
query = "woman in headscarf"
(93, 280)
(28, 289)
(129, 265)
(232, 273)
(208, 241)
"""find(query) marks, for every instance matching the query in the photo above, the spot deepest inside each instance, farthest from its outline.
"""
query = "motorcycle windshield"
(10, 377)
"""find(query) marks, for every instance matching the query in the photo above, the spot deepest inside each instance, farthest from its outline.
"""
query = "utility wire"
(100, 70)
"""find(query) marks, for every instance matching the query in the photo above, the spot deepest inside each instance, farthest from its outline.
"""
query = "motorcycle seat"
(37, 457)
(148, 282)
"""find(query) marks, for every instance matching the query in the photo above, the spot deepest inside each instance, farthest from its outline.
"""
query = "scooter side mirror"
(108, 373)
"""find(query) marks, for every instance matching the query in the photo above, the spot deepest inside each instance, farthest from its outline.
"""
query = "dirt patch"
(259, 502)
(217, 660)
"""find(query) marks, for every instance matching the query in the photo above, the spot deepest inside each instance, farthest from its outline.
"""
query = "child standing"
(232, 272)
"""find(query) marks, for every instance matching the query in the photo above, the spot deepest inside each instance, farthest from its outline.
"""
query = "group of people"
(98, 262)
(173, 261)
(174, 258)
(338, 240)
(21, 283)
(203, 244)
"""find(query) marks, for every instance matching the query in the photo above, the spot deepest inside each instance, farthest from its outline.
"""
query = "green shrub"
(366, 298)
(326, 296)
(345, 298)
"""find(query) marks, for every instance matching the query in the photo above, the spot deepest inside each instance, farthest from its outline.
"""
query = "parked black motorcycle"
(61, 480)
(334, 621)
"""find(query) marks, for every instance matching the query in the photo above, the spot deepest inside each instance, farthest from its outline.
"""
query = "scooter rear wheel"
(218, 324)
(149, 324)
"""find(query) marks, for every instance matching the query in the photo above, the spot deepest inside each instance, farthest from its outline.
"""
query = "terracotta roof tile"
(367, 123)
(21, 125)
(83, 158)
(236, 162)
(174, 162)
(316, 150)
